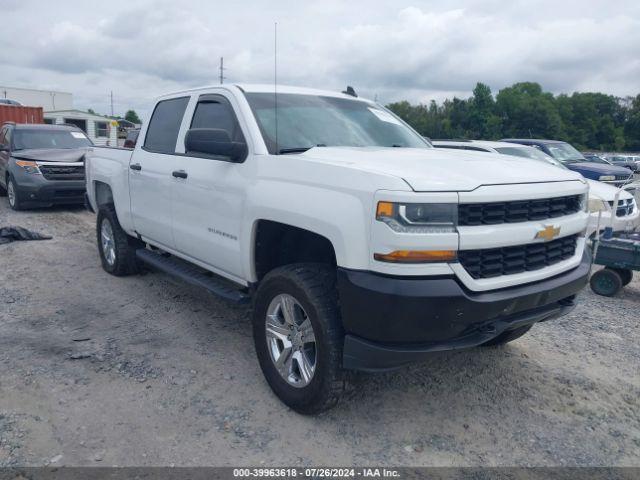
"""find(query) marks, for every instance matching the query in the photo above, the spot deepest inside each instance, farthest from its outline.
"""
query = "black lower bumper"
(52, 193)
(392, 321)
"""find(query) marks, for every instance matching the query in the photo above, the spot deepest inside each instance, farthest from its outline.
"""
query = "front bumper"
(392, 321)
(37, 191)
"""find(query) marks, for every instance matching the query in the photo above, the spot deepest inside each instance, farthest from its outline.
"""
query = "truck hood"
(431, 169)
(68, 155)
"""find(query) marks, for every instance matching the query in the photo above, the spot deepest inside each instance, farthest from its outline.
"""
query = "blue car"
(574, 160)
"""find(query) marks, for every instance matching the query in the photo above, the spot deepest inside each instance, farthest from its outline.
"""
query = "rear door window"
(164, 125)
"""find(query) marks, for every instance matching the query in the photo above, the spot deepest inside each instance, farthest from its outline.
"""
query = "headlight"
(29, 167)
(418, 217)
(596, 204)
(606, 178)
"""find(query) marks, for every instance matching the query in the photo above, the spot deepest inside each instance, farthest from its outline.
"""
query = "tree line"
(589, 121)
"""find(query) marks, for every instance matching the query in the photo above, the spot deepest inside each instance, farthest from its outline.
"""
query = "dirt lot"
(98, 370)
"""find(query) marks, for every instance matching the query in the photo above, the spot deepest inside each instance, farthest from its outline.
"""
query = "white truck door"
(151, 177)
(208, 203)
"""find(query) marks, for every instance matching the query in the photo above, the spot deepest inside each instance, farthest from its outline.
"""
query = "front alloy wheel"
(291, 340)
(12, 194)
(299, 337)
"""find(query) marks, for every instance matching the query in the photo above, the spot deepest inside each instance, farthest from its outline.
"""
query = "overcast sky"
(419, 50)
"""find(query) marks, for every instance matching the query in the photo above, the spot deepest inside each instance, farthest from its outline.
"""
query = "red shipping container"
(17, 114)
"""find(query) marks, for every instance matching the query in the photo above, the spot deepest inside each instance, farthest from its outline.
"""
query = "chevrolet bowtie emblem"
(549, 232)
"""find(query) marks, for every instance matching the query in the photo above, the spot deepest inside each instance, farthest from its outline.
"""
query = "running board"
(191, 274)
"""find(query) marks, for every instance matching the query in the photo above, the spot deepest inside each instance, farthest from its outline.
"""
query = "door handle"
(180, 174)
(135, 166)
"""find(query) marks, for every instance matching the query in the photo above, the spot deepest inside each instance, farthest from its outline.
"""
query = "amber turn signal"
(417, 256)
(385, 209)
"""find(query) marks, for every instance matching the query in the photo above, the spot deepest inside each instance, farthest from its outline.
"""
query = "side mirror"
(214, 142)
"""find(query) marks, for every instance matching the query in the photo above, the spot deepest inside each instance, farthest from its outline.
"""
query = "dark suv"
(42, 165)
(574, 160)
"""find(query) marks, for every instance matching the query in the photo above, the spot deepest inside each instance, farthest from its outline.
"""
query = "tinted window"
(216, 114)
(2, 136)
(162, 133)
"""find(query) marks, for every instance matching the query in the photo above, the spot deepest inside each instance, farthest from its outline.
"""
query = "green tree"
(132, 116)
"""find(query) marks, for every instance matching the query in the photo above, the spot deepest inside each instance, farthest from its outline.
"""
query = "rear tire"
(508, 336)
(3, 190)
(117, 249)
(307, 290)
(606, 282)
(626, 275)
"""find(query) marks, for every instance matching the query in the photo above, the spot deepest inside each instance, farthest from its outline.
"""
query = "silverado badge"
(549, 232)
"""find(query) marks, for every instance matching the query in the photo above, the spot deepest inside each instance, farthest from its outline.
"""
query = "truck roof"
(270, 88)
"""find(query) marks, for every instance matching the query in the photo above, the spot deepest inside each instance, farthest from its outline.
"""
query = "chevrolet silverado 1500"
(360, 246)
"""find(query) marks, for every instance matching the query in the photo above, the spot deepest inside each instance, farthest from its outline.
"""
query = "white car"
(601, 195)
(360, 246)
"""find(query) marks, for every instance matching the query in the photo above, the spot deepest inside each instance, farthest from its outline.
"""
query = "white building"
(101, 130)
(47, 99)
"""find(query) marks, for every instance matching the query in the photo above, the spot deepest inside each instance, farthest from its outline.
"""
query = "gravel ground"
(98, 370)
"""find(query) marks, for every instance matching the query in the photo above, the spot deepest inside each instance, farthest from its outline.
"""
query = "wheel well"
(277, 244)
(103, 193)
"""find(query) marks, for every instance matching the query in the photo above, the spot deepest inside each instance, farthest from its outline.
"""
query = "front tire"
(14, 194)
(117, 249)
(299, 337)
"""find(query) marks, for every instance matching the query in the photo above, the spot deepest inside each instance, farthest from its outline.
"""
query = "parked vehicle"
(132, 137)
(595, 158)
(361, 246)
(623, 161)
(601, 195)
(7, 101)
(42, 165)
(620, 256)
(573, 159)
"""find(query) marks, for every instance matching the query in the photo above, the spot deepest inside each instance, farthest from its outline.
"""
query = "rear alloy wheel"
(12, 194)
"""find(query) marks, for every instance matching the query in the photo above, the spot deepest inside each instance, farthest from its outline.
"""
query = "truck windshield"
(565, 153)
(32, 138)
(306, 121)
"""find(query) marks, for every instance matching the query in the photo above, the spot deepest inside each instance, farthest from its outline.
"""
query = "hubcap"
(11, 193)
(291, 340)
(106, 240)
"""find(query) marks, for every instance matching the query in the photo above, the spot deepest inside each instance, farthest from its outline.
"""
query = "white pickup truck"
(360, 245)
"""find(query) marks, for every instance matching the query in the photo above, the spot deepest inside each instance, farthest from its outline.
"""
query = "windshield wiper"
(298, 149)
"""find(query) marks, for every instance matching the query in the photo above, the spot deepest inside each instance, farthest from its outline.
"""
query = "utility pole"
(222, 77)
(112, 103)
